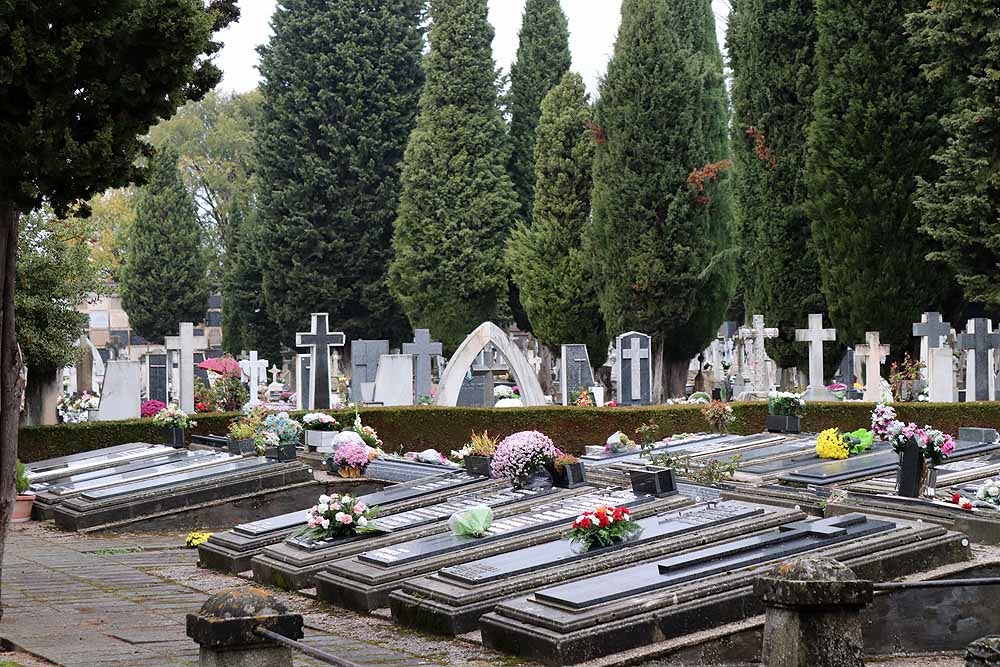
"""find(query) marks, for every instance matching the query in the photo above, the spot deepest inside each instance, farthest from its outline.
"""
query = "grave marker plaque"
(156, 367)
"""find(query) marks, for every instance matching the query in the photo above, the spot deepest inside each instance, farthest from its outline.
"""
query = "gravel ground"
(17, 659)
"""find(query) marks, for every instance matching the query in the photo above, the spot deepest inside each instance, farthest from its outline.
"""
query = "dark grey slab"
(169, 457)
(805, 460)
(239, 465)
(121, 455)
(561, 552)
(189, 463)
(401, 470)
(778, 449)
(404, 491)
(424, 515)
(787, 540)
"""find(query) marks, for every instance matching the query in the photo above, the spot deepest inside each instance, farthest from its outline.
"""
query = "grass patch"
(116, 551)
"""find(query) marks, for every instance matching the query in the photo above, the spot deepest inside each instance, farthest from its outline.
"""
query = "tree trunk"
(11, 381)
(675, 375)
(659, 389)
(545, 372)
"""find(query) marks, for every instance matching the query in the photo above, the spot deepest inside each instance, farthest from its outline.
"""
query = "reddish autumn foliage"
(708, 174)
(760, 147)
(596, 131)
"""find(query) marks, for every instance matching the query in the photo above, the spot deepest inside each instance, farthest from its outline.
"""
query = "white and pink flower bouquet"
(883, 416)
(338, 516)
(173, 417)
(320, 421)
(521, 454)
(366, 433)
(351, 456)
(935, 445)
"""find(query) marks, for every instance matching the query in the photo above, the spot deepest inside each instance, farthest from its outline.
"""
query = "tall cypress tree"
(458, 203)
(245, 268)
(542, 59)
(662, 202)
(341, 83)
(875, 128)
(547, 258)
(165, 277)
(960, 208)
(771, 45)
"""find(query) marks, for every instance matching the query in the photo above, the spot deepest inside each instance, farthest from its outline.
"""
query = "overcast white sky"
(592, 26)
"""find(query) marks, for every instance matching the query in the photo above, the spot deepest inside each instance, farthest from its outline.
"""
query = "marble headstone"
(121, 393)
(364, 363)
(321, 343)
(979, 341)
(575, 372)
(635, 370)
(423, 350)
(816, 335)
(394, 382)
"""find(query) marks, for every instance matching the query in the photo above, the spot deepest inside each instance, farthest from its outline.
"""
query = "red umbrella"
(221, 365)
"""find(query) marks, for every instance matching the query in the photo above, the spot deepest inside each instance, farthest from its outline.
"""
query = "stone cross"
(255, 370)
(320, 341)
(275, 373)
(634, 353)
(932, 331)
(980, 341)
(815, 335)
(873, 353)
(185, 344)
(422, 348)
(758, 333)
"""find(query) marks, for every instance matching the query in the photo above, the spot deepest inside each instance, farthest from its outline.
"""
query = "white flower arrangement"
(989, 492)
(503, 391)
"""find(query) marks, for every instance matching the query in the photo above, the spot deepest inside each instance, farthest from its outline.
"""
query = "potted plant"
(719, 416)
(321, 429)
(478, 453)
(653, 480)
(279, 434)
(784, 412)
(568, 472)
(242, 434)
(174, 422)
(351, 459)
(523, 458)
(603, 527)
(24, 498)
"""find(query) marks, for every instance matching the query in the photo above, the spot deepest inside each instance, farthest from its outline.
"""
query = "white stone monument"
(757, 334)
(394, 380)
(933, 331)
(185, 345)
(122, 391)
(941, 386)
(873, 353)
(816, 335)
(255, 374)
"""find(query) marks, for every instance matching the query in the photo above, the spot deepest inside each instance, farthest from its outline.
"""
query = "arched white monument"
(465, 355)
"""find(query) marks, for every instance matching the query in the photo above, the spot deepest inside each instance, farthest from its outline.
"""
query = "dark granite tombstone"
(845, 370)
(365, 355)
(452, 600)
(364, 582)
(911, 466)
(232, 550)
(200, 373)
(304, 368)
(635, 371)
(575, 372)
(320, 341)
(423, 350)
(701, 588)
(982, 342)
(474, 390)
(157, 380)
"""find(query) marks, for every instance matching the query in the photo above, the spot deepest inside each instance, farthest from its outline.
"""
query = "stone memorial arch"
(465, 355)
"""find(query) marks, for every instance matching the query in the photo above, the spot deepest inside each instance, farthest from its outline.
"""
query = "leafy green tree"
(341, 84)
(771, 45)
(164, 280)
(547, 257)
(77, 124)
(874, 130)
(458, 203)
(960, 208)
(215, 139)
(662, 213)
(542, 59)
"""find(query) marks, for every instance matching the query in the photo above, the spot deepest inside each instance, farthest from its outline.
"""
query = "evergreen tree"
(542, 59)
(662, 205)
(547, 258)
(458, 203)
(875, 128)
(245, 266)
(771, 46)
(164, 280)
(341, 83)
(961, 207)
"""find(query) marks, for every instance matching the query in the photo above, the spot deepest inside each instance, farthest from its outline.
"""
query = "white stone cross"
(634, 353)
(873, 353)
(185, 344)
(758, 333)
(816, 335)
(255, 369)
(275, 374)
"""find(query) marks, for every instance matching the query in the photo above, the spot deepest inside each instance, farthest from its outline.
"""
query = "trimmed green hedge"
(572, 428)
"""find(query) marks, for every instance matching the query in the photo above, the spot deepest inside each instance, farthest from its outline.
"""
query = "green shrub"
(572, 428)
(21, 483)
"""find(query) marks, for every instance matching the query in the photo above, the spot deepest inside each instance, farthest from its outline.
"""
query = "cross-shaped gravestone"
(321, 341)
(275, 374)
(255, 372)
(758, 334)
(980, 341)
(422, 348)
(815, 335)
(635, 383)
(277, 386)
(873, 353)
(486, 366)
(933, 331)
(185, 344)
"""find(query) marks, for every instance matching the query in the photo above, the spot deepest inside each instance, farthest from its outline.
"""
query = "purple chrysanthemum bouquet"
(521, 454)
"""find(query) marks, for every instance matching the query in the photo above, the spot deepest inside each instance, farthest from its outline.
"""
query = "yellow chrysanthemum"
(830, 445)
(196, 538)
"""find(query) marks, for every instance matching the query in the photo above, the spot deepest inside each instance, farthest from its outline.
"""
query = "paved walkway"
(86, 602)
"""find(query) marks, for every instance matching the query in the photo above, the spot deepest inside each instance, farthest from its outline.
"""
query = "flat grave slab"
(701, 588)
(703, 439)
(401, 470)
(364, 582)
(204, 491)
(63, 466)
(231, 551)
(452, 600)
(293, 563)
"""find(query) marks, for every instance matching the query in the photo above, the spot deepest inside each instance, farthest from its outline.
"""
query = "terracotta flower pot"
(22, 507)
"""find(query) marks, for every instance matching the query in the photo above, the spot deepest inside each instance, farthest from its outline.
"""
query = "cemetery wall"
(444, 429)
